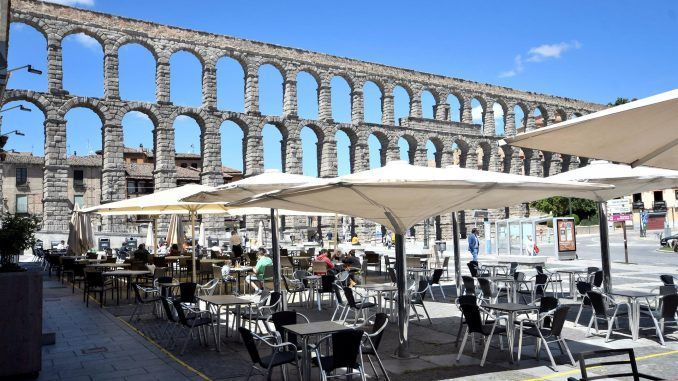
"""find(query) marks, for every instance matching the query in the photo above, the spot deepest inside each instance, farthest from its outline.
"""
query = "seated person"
(174, 250)
(322, 257)
(337, 255)
(141, 254)
(351, 261)
(258, 277)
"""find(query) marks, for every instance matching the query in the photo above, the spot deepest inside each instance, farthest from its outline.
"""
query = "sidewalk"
(92, 344)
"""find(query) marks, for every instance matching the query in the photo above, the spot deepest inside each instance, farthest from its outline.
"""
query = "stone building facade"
(472, 144)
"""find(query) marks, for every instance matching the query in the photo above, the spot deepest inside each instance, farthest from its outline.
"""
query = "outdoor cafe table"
(381, 289)
(224, 301)
(511, 310)
(493, 268)
(165, 287)
(634, 301)
(213, 261)
(305, 331)
(514, 284)
(315, 279)
(572, 273)
(420, 271)
(127, 274)
(109, 265)
(524, 262)
(239, 271)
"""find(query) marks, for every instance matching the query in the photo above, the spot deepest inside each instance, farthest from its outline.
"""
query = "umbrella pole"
(604, 246)
(276, 252)
(155, 235)
(193, 243)
(457, 257)
(403, 298)
(336, 233)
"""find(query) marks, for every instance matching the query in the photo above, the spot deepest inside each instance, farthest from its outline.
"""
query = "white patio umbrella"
(626, 181)
(202, 240)
(400, 195)
(163, 202)
(175, 231)
(80, 235)
(642, 132)
(150, 238)
(260, 234)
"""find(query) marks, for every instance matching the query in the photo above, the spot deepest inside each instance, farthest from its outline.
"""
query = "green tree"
(16, 235)
(620, 101)
(560, 206)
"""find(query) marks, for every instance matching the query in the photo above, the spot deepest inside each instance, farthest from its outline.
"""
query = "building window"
(21, 176)
(637, 197)
(677, 195)
(659, 195)
(21, 204)
(79, 200)
(131, 188)
(184, 165)
(194, 165)
(78, 177)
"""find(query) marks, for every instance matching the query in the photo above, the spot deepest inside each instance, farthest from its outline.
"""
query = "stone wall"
(56, 22)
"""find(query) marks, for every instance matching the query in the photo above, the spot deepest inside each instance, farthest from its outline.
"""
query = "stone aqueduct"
(56, 22)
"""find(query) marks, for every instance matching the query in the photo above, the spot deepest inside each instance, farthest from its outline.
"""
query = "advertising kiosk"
(566, 238)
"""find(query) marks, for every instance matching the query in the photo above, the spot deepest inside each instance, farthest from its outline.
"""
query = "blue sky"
(594, 51)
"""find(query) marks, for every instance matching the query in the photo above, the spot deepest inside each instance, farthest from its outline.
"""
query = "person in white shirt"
(61, 246)
(236, 244)
(529, 246)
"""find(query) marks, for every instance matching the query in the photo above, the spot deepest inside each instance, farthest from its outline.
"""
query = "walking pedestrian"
(474, 244)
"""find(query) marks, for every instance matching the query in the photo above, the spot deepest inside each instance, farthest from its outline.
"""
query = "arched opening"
(505, 157)
(272, 139)
(377, 146)
(372, 102)
(136, 73)
(307, 96)
(27, 46)
(270, 90)
(31, 124)
(477, 111)
(187, 143)
(427, 104)
(408, 148)
(484, 153)
(343, 153)
(519, 117)
(185, 79)
(83, 132)
(540, 117)
(341, 99)
(460, 151)
(499, 119)
(230, 85)
(232, 145)
(455, 107)
(433, 154)
(560, 116)
(401, 104)
(138, 131)
(83, 69)
(310, 152)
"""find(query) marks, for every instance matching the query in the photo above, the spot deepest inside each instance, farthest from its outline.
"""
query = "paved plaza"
(98, 343)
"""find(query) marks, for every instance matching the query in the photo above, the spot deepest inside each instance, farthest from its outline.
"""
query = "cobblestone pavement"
(131, 353)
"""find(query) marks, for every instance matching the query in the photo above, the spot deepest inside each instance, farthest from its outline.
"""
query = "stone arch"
(149, 110)
(307, 93)
(316, 151)
(128, 40)
(439, 146)
(310, 70)
(238, 121)
(340, 97)
(373, 95)
(383, 140)
(90, 33)
(93, 104)
(197, 114)
(485, 158)
(543, 113)
(460, 148)
(429, 100)
(276, 64)
(506, 156)
(32, 97)
(189, 49)
(559, 115)
(521, 124)
(235, 57)
(36, 23)
(455, 109)
(412, 145)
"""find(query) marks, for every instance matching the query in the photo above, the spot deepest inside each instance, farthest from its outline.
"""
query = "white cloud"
(138, 115)
(538, 54)
(87, 41)
(71, 3)
(546, 51)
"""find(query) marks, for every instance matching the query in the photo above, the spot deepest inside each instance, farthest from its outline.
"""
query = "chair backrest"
(94, 279)
(252, 256)
(547, 303)
(606, 353)
(666, 279)
(598, 303)
(348, 293)
(187, 292)
(446, 262)
(473, 268)
(248, 339)
(467, 299)
(283, 318)
(326, 282)
(469, 284)
(79, 271)
(337, 293)
(598, 278)
(68, 263)
(437, 274)
(319, 267)
(539, 268)
(486, 287)
(371, 257)
(274, 299)
(420, 296)
(345, 348)
(667, 290)
(472, 318)
(92, 255)
(380, 320)
(311, 251)
(168, 310)
(513, 268)
(165, 279)
(111, 260)
(392, 275)
(179, 308)
(137, 293)
(592, 269)
(669, 306)
(284, 253)
(160, 261)
(540, 283)
(268, 272)
(518, 275)
(413, 262)
(287, 286)
(559, 317)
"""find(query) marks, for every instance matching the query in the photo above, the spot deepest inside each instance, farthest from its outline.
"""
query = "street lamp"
(29, 68)
(20, 107)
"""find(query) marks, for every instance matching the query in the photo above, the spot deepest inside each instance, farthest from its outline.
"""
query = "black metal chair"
(540, 282)
(463, 299)
(151, 296)
(281, 319)
(281, 354)
(475, 269)
(342, 305)
(665, 313)
(667, 279)
(357, 308)
(469, 285)
(297, 287)
(325, 288)
(96, 283)
(607, 353)
(191, 319)
(582, 289)
(487, 293)
(417, 299)
(546, 335)
(475, 324)
(371, 343)
(374, 260)
(602, 311)
(269, 302)
(392, 275)
(554, 280)
(187, 292)
(435, 281)
(78, 275)
(346, 353)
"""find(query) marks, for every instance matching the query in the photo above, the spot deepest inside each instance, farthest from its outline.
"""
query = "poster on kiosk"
(566, 238)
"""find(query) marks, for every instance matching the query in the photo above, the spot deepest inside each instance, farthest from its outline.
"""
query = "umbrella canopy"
(175, 231)
(260, 234)
(202, 240)
(399, 195)
(643, 132)
(626, 180)
(80, 235)
(268, 181)
(162, 202)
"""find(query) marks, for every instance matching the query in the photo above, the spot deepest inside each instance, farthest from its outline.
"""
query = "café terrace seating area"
(506, 316)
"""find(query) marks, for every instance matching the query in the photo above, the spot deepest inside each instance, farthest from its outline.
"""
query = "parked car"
(670, 241)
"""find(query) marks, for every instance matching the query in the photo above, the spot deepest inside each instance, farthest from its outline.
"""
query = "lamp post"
(28, 68)
(20, 107)
(426, 232)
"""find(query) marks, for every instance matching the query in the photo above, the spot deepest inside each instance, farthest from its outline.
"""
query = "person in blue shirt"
(474, 244)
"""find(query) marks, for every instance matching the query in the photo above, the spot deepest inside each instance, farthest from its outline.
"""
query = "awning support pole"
(457, 255)
(604, 246)
(403, 298)
(275, 247)
(193, 243)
